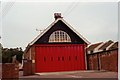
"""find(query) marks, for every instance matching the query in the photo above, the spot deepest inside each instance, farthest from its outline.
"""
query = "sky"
(96, 21)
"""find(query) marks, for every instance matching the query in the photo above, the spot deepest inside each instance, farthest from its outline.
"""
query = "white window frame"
(59, 36)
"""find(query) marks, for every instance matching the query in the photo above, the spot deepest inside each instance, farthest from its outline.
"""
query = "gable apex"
(51, 25)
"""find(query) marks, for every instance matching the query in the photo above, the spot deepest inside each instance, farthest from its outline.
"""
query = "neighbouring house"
(58, 48)
(93, 47)
(103, 56)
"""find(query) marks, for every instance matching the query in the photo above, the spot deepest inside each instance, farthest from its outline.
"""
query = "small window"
(51, 58)
(62, 58)
(75, 57)
(59, 36)
(44, 58)
(58, 58)
(69, 58)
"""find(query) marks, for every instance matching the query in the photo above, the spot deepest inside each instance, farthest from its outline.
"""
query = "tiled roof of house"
(114, 46)
(93, 46)
(101, 46)
(105, 45)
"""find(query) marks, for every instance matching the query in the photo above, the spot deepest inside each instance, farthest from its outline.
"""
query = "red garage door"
(59, 57)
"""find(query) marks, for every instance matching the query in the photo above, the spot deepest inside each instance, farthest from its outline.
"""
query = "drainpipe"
(98, 61)
(30, 54)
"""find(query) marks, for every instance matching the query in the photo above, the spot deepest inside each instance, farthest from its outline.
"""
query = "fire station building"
(58, 48)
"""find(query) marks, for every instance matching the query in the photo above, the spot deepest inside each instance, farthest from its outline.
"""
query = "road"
(74, 74)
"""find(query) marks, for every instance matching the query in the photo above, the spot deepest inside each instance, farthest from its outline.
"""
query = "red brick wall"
(109, 61)
(28, 67)
(105, 60)
(10, 71)
(92, 62)
(89, 62)
(33, 68)
(29, 62)
(31, 51)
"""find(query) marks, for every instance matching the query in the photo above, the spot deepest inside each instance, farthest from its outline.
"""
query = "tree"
(19, 56)
(7, 54)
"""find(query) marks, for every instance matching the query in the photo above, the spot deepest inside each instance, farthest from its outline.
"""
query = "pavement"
(73, 74)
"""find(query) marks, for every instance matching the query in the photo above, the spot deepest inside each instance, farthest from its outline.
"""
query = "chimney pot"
(57, 15)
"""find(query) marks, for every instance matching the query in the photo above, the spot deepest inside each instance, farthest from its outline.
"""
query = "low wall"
(10, 71)
(28, 67)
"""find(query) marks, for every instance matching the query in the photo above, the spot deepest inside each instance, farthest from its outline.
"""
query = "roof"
(93, 46)
(113, 46)
(61, 19)
(105, 45)
(98, 47)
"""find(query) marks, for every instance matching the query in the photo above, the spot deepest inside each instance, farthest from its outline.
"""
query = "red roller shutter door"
(59, 57)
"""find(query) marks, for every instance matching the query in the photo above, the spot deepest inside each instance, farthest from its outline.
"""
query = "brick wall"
(28, 67)
(29, 61)
(93, 62)
(109, 61)
(10, 71)
(30, 53)
(33, 68)
(105, 60)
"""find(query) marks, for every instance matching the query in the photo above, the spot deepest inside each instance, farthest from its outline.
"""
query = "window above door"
(59, 36)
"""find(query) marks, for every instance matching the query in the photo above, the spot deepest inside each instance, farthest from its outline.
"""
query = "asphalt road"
(73, 74)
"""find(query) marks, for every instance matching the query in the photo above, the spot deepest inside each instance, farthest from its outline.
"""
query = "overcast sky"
(96, 21)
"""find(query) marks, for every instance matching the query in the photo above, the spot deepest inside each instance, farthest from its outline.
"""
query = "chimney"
(57, 15)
